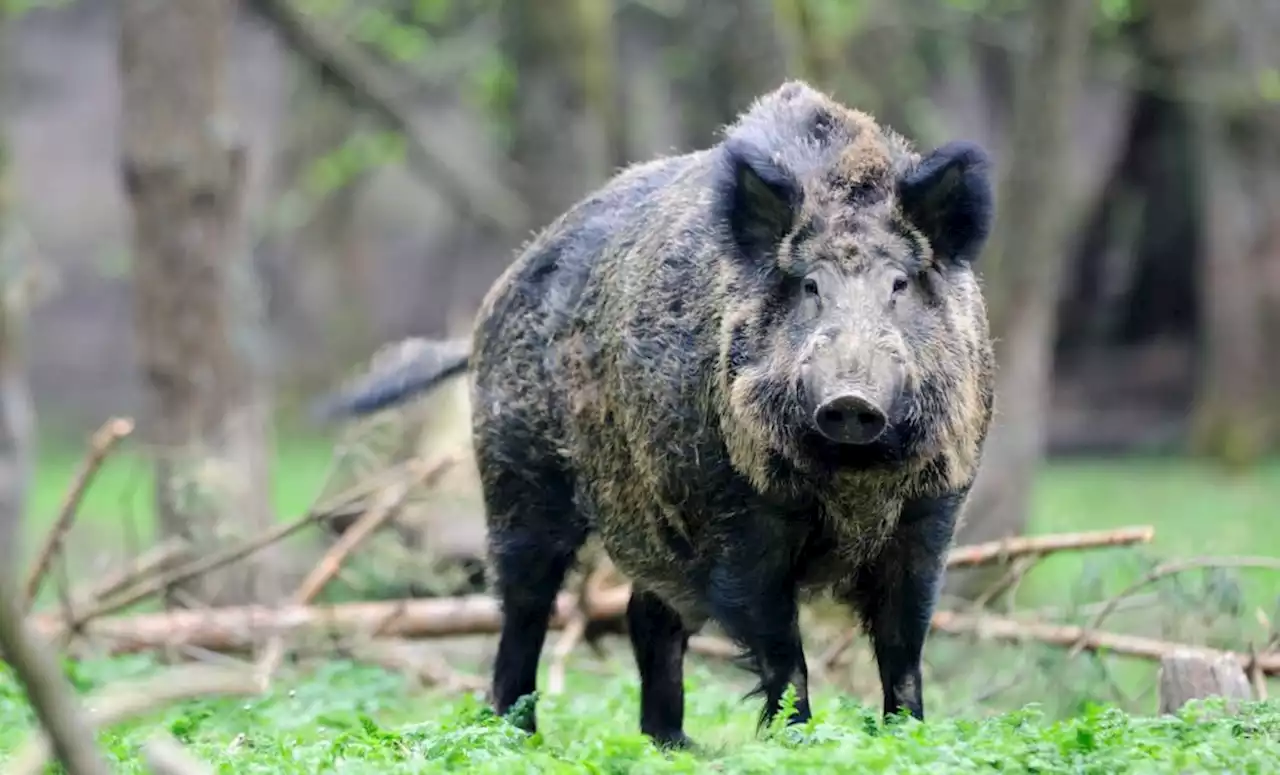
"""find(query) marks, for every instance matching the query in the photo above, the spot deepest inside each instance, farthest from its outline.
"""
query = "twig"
(154, 560)
(827, 662)
(100, 445)
(118, 703)
(52, 699)
(592, 582)
(1012, 548)
(331, 563)
(1011, 631)
(166, 756)
(569, 638)
(323, 511)
(711, 646)
(1172, 568)
(194, 569)
(1016, 572)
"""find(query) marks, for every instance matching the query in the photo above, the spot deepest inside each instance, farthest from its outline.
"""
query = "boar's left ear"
(758, 199)
(947, 196)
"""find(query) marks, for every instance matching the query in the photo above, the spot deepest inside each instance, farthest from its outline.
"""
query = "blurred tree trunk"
(1021, 272)
(196, 306)
(727, 53)
(563, 116)
(1148, 218)
(1233, 413)
(322, 293)
(876, 58)
(17, 416)
(563, 110)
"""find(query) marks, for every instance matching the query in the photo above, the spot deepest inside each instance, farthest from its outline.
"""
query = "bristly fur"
(637, 373)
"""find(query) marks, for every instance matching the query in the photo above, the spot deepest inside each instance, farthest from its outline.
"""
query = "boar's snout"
(850, 418)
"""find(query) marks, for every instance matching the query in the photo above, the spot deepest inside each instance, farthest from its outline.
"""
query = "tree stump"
(1187, 675)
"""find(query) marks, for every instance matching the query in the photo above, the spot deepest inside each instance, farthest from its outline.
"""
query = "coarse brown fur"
(649, 368)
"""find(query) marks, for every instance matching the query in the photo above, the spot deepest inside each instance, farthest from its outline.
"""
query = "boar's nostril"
(850, 419)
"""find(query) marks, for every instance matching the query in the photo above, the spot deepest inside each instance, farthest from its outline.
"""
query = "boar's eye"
(899, 284)
(810, 287)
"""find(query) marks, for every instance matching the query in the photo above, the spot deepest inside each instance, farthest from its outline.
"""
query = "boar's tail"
(424, 366)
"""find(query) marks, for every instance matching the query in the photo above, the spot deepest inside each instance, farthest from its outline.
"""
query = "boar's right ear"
(758, 199)
(948, 197)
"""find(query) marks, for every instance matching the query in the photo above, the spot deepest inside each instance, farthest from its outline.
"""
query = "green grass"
(350, 719)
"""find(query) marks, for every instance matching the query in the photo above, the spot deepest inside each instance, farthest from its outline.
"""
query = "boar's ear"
(947, 196)
(758, 199)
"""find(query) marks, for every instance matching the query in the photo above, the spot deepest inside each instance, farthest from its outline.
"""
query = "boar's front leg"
(895, 596)
(659, 640)
(753, 597)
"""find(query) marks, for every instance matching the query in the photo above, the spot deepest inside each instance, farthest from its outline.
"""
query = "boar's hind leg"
(659, 640)
(534, 536)
(757, 608)
(896, 594)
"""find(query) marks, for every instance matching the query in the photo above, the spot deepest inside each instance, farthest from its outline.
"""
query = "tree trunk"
(1231, 413)
(562, 53)
(1021, 273)
(196, 307)
(17, 416)
(728, 53)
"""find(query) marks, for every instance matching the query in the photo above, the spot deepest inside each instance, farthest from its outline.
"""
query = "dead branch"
(152, 561)
(166, 756)
(231, 628)
(1011, 578)
(492, 205)
(569, 638)
(1172, 568)
(234, 628)
(118, 703)
(592, 584)
(339, 505)
(55, 705)
(1022, 546)
(100, 445)
(331, 563)
(193, 569)
(711, 646)
(1003, 629)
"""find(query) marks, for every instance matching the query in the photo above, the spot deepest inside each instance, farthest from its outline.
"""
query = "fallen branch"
(118, 703)
(55, 704)
(232, 628)
(1011, 631)
(100, 445)
(331, 563)
(1023, 546)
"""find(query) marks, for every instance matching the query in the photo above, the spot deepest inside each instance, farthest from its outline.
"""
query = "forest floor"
(346, 718)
